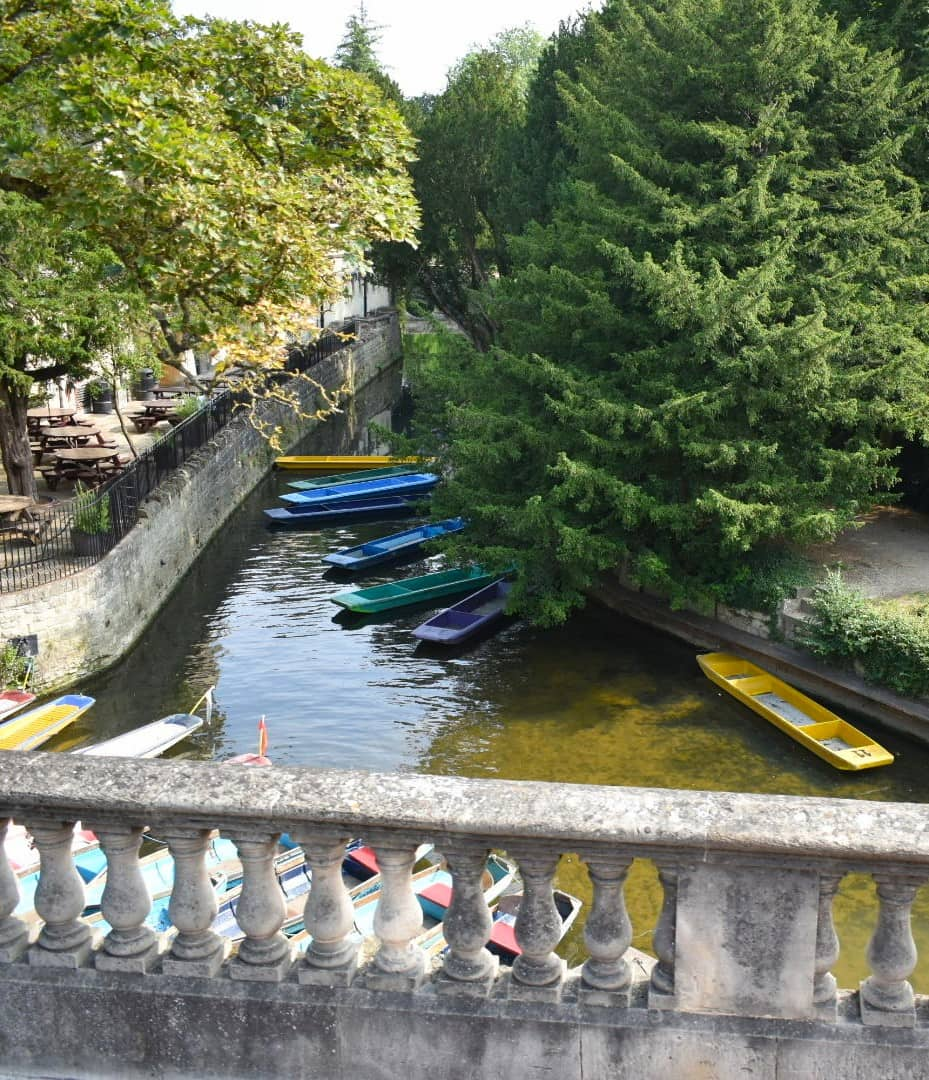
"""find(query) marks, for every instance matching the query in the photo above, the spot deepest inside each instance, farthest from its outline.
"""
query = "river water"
(600, 700)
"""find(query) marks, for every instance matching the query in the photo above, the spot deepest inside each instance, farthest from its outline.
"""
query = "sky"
(420, 39)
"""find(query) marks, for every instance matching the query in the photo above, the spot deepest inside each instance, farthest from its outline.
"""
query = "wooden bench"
(143, 421)
(29, 528)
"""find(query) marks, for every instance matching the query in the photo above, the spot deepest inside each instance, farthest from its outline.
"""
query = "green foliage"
(764, 578)
(205, 170)
(188, 407)
(14, 667)
(91, 511)
(460, 178)
(357, 51)
(702, 352)
(890, 648)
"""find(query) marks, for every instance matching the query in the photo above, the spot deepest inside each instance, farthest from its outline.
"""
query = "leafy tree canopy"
(218, 164)
(464, 159)
(702, 351)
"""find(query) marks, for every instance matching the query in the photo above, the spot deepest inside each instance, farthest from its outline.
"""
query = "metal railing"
(48, 548)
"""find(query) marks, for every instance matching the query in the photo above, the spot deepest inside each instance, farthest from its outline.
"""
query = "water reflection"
(599, 701)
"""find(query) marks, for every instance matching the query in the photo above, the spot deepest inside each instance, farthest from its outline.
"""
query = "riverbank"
(885, 557)
(83, 623)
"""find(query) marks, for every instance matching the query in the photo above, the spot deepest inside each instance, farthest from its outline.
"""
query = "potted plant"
(184, 410)
(92, 530)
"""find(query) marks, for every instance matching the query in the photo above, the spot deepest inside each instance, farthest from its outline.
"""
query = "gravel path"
(888, 555)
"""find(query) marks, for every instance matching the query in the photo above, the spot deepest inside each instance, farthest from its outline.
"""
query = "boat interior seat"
(457, 619)
(365, 858)
(784, 708)
(438, 893)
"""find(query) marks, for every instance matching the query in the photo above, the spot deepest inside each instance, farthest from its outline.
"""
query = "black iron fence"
(54, 542)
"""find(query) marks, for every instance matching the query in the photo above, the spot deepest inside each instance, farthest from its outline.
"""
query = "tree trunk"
(122, 420)
(14, 442)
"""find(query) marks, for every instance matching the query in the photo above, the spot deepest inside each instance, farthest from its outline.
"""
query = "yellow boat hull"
(804, 720)
(336, 463)
(37, 726)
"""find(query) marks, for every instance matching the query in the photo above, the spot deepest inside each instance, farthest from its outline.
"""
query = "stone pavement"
(108, 423)
(886, 556)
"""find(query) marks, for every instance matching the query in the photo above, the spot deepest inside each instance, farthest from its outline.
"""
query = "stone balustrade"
(744, 940)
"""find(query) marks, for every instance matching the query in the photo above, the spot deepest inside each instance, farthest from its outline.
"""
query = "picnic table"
(153, 412)
(91, 464)
(18, 520)
(52, 417)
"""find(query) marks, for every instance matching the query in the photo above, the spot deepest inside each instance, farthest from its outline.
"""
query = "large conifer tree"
(703, 350)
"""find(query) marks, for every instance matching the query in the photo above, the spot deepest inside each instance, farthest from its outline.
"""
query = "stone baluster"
(265, 955)
(14, 934)
(126, 903)
(605, 977)
(661, 986)
(469, 968)
(196, 950)
(886, 996)
(399, 963)
(827, 948)
(64, 941)
(332, 956)
(538, 974)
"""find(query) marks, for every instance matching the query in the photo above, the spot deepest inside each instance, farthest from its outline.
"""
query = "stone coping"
(571, 817)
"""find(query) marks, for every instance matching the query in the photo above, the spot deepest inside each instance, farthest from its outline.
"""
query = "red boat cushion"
(503, 935)
(365, 857)
(439, 893)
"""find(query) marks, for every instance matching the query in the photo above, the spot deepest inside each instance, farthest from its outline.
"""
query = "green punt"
(354, 477)
(414, 590)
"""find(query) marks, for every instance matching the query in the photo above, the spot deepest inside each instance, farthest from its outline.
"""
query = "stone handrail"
(745, 927)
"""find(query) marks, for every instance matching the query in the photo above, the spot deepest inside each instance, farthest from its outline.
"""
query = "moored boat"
(307, 517)
(408, 485)
(340, 462)
(11, 701)
(32, 728)
(413, 590)
(468, 617)
(804, 720)
(354, 477)
(155, 738)
(390, 547)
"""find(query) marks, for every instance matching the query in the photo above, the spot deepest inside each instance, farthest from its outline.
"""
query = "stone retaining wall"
(86, 622)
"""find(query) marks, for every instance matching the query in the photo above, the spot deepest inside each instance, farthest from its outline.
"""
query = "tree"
(460, 177)
(703, 352)
(357, 51)
(63, 305)
(220, 165)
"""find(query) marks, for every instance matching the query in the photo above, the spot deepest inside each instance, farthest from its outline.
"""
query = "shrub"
(14, 667)
(889, 648)
(91, 511)
(188, 407)
(764, 578)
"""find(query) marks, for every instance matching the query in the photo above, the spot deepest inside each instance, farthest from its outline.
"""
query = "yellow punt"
(810, 724)
(335, 463)
(37, 726)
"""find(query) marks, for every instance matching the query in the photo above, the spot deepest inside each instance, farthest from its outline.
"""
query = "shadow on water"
(597, 701)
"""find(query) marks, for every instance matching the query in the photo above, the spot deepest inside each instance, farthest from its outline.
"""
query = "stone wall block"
(746, 938)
